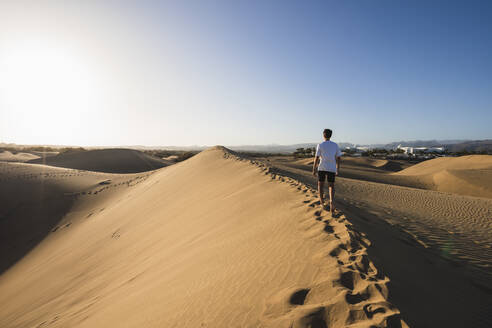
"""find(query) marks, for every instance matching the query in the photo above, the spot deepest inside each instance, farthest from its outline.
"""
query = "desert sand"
(213, 241)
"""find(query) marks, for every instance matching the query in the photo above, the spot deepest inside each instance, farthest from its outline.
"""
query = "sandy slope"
(213, 241)
(105, 160)
(465, 175)
(35, 198)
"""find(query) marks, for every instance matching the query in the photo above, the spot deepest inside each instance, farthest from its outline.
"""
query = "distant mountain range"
(451, 145)
(282, 149)
(474, 145)
(422, 143)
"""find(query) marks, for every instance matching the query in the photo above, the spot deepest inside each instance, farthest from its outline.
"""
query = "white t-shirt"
(328, 151)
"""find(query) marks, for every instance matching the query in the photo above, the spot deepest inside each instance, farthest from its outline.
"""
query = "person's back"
(328, 152)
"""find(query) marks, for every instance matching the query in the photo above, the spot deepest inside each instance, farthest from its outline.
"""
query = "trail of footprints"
(361, 290)
(22, 171)
(106, 185)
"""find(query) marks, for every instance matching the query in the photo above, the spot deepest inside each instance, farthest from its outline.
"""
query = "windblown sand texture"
(214, 241)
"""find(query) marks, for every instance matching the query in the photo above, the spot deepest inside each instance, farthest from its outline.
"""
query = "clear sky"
(244, 72)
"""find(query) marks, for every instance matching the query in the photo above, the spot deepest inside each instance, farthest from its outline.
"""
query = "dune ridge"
(7, 156)
(105, 160)
(217, 240)
(376, 163)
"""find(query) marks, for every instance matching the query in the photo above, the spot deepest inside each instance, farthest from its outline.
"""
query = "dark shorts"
(330, 176)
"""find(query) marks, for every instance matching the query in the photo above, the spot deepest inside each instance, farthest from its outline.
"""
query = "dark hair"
(327, 133)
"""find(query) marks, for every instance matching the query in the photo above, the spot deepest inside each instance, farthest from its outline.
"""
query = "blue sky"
(245, 72)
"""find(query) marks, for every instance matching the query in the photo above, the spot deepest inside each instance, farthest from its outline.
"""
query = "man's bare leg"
(321, 186)
(331, 192)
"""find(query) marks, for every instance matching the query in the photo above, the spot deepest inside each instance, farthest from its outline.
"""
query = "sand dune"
(7, 156)
(381, 164)
(465, 175)
(44, 153)
(364, 162)
(105, 160)
(214, 241)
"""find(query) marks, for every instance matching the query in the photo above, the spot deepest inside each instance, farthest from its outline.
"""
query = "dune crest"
(216, 240)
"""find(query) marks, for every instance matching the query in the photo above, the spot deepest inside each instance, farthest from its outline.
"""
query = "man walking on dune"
(326, 166)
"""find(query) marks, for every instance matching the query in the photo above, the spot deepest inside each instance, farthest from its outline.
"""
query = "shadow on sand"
(27, 216)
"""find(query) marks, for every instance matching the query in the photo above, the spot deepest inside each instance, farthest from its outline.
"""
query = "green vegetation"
(66, 150)
(304, 152)
(376, 152)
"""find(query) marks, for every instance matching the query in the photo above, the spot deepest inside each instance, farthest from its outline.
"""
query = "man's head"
(327, 134)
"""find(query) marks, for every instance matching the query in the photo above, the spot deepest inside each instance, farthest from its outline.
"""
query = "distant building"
(435, 150)
(414, 150)
(358, 149)
(355, 151)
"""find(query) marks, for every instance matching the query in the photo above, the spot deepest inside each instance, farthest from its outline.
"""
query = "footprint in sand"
(285, 301)
(299, 296)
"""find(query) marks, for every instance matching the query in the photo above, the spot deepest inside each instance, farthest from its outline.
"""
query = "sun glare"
(45, 82)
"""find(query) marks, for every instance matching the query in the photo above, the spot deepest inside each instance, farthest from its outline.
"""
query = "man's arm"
(316, 161)
(338, 158)
(315, 165)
